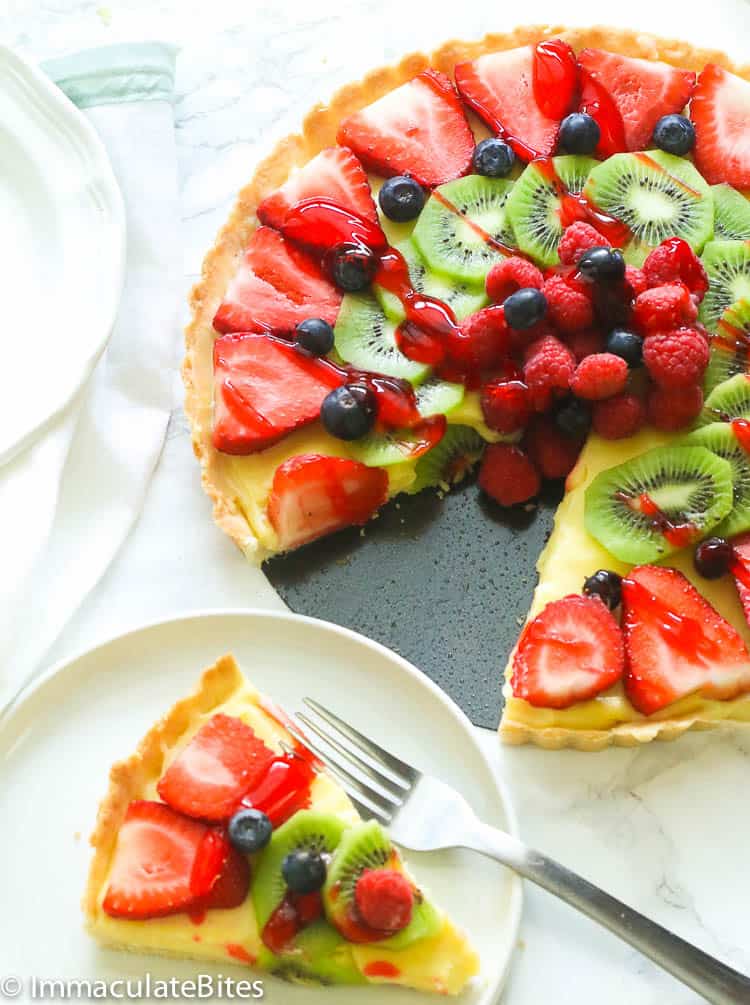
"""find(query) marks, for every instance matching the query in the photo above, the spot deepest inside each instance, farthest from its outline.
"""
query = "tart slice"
(222, 840)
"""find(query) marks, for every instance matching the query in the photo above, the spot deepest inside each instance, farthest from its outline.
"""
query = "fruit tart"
(530, 254)
(221, 839)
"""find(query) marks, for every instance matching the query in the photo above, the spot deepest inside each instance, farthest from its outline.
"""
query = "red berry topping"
(484, 339)
(547, 371)
(576, 239)
(554, 453)
(675, 261)
(600, 376)
(384, 899)
(570, 652)
(664, 307)
(618, 417)
(720, 111)
(636, 280)
(585, 343)
(741, 570)
(568, 308)
(507, 475)
(676, 358)
(674, 408)
(511, 274)
(505, 405)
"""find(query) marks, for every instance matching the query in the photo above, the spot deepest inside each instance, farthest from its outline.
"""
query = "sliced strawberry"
(263, 389)
(720, 111)
(313, 495)
(570, 652)
(419, 129)
(741, 570)
(276, 286)
(499, 87)
(154, 862)
(209, 777)
(232, 886)
(335, 174)
(677, 643)
(642, 90)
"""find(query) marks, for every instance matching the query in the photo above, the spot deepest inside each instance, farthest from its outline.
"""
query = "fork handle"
(715, 981)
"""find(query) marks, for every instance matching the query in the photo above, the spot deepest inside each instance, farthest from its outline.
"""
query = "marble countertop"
(665, 827)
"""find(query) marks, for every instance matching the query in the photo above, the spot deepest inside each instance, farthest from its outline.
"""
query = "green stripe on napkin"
(142, 71)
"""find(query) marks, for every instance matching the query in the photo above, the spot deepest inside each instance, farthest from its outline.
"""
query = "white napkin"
(68, 502)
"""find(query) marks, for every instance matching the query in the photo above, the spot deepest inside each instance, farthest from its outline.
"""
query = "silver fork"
(424, 814)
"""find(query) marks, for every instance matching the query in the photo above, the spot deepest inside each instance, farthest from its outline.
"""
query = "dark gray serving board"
(444, 582)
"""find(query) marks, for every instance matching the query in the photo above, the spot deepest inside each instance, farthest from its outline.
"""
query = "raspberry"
(579, 237)
(585, 343)
(485, 338)
(636, 280)
(674, 259)
(512, 274)
(676, 358)
(599, 376)
(568, 309)
(548, 369)
(507, 475)
(619, 417)
(384, 899)
(505, 405)
(664, 307)
(553, 453)
(670, 408)
(521, 340)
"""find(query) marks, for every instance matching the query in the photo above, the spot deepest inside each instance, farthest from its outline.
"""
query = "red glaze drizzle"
(683, 633)
(574, 208)
(677, 534)
(741, 430)
(555, 78)
(284, 789)
(295, 912)
(381, 968)
(597, 103)
(238, 952)
(649, 161)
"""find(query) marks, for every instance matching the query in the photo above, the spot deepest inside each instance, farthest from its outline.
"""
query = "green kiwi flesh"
(727, 265)
(366, 338)
(462, 298)
(534, 206)
(730, 400)
(731, 214)
(367, 846)
(450, 461)
(730, 346)
(394, 446)
(438, 397)
(319, 955)
(452, 230)
(689, 485)
(719, 438)
(656, 195)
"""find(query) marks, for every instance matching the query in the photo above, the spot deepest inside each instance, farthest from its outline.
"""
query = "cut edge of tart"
(152, 791)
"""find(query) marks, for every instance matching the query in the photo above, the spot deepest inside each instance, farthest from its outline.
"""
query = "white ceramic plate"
(63, 234)
(61, 735)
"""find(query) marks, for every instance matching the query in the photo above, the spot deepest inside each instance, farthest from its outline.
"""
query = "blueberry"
(675, 134)
(606, 585)
(524, 308)
(601, 264)
(627, 345)
(713, 557)
(493, 158)
(353, 267)
(249, 831)
(573, 418)
(349, 411)
(401, 198)
(612, 303)
(315, 335)
(304, 871)
(579, 133)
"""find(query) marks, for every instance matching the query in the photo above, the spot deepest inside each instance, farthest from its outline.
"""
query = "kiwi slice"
(381, 450)
(438, 397)
(656, 195)
(731, 214)
(319, 955)
(367, 846)
(462, 298)
(730, 400)
(534, 205)
(309, 830)
(690, 486)
(730, 348)
(456, 229)
(727, 265)
(366, 338)
(448, 462)
(719, 438)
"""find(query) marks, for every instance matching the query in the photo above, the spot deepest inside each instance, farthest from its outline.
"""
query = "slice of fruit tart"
(222, 840)
(531, 254)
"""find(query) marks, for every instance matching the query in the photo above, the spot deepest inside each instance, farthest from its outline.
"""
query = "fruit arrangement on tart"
(221, 840)
(531, 254)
